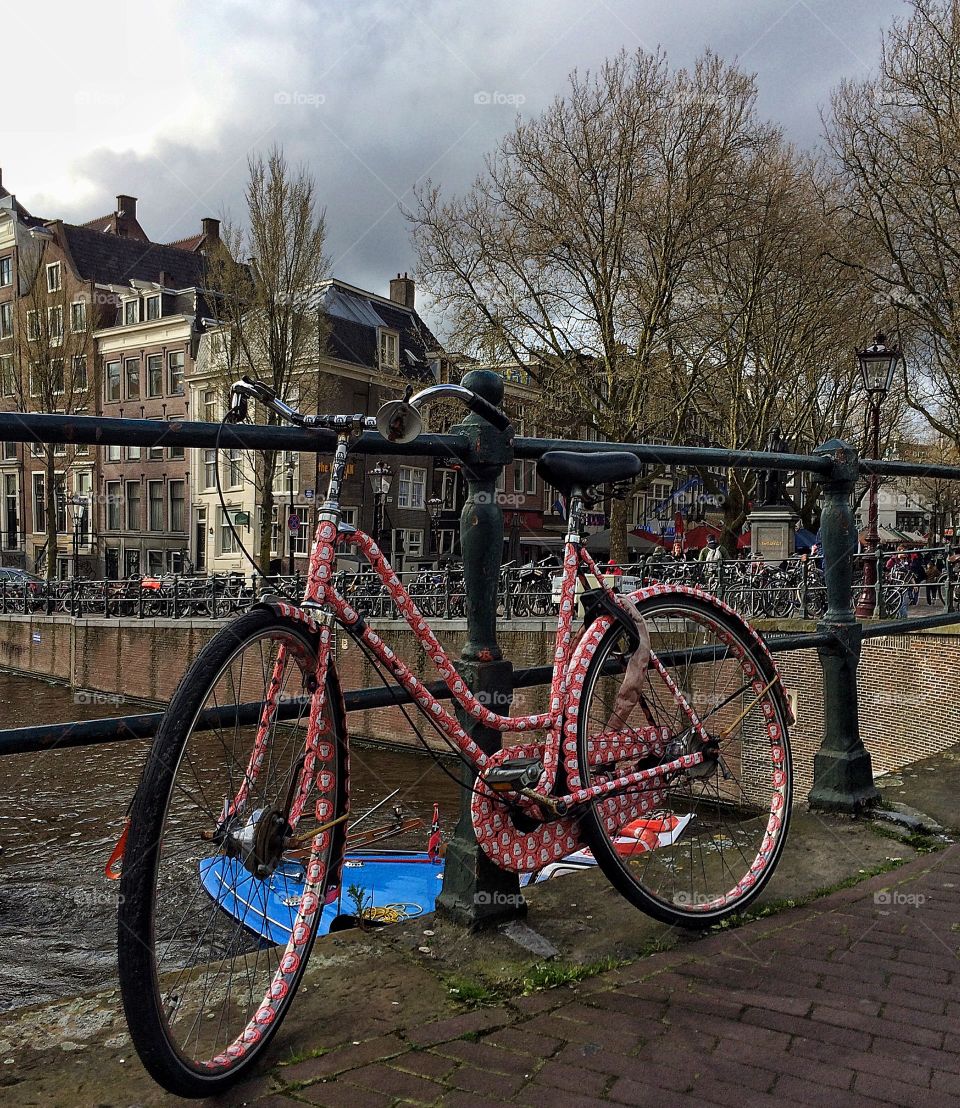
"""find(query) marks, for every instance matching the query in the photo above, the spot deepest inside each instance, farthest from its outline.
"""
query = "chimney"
(127, 206)
(211, 227)
(403, 291)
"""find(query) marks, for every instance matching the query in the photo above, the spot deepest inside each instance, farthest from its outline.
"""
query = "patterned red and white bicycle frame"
(623, 798)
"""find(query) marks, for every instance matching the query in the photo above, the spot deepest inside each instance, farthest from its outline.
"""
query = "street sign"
(308, 494)
(242, 519)
(293, 522)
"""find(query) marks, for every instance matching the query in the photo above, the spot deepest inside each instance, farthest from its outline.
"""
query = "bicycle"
(664, 750)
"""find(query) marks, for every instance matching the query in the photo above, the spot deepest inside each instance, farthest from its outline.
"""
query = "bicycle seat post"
(476, 893)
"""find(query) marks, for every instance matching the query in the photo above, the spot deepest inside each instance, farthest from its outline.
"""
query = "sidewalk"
(854, 1001)
(850, 999)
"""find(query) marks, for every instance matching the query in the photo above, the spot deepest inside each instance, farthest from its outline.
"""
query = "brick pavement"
(853, 1000)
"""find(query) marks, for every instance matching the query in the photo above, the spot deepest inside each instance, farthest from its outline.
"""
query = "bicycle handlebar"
(246, 389)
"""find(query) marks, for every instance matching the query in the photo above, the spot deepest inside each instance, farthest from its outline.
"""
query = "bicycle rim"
(216, 818)
(694, 847)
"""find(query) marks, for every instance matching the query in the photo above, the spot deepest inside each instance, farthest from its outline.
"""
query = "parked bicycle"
(665, 751)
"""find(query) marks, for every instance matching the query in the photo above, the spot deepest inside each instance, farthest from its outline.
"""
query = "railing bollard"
(476, 893)
(842, 769)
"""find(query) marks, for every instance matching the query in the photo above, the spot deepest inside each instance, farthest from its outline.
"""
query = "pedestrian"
(711, 552)
(933, 571)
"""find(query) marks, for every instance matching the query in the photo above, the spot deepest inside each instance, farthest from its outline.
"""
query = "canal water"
(61, 812)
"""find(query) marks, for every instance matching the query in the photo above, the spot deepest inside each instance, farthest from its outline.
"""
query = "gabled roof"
(191, 242)
(355, 319)
(116, 223)
(110, 259)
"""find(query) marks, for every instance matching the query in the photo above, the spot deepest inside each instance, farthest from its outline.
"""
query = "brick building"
(126, 314)
(371, 347)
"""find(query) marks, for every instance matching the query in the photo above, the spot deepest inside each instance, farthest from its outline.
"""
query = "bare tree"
(896, 144)
(55, 370)
(263, 280)
(769, 320)
(567, 250)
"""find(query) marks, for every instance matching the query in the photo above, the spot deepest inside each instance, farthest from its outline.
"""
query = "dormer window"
(53, 277)
(389, 349)
(153, 307)
(131, 312)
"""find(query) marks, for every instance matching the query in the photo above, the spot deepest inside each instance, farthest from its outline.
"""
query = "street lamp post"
(434, 504)
(290, 531)
(877, 365)
(380, 477)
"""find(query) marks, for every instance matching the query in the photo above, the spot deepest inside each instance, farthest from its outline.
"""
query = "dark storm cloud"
(376, 96)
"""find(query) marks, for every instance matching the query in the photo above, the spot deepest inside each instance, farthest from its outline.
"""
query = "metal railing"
(842, 769)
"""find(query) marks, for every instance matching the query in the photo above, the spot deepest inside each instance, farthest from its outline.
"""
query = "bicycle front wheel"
(692, 847)
(246, 778)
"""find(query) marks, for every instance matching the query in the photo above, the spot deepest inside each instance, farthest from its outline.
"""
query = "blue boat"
(393, 885)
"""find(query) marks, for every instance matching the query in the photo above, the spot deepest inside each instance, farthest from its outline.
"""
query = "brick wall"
(907, 710)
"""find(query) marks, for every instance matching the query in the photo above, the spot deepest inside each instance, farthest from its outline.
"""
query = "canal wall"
(908, 705)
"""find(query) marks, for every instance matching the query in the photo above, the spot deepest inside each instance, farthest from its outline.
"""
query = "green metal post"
(476, 893)
(842, 769)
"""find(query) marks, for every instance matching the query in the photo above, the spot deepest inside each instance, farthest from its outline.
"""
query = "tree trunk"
(619, 516)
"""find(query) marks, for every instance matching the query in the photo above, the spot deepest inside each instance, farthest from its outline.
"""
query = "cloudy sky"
(166, 101)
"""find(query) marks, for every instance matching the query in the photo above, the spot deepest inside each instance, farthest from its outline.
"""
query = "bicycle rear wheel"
(700, 844)
(232, 785)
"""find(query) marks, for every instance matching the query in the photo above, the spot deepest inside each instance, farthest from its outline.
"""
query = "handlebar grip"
(488, 411)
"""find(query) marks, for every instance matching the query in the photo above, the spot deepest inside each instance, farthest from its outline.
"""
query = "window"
(350, 516)
(78, 316)
(154, 562)
(518, 476)
(153, 307)
(174, 561)
(6, 271)
(53, 277)
(209, 401)
(80, 379)
(55, 323)
(131, 371)
(56, 375)
(389, 344)
(178, 515)
(209, 469)
(155, 505)
(175, 367)
(39, 504)
(154, 375)
(134, 453)
(155, 453)
(33, 327)
(228, 544)
(408, 542)
(235, 467)
(176, 454)
(300, 539)
(412, 489)
(34, 381)
(6, 321)
(112, 370)
(8, 382)
(11, 512)
(531, 477)
(133, 505)
(113, 505)
(9, 451)
(131, 311)
(113, 453)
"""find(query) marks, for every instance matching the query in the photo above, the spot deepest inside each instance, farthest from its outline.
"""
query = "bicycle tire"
(708, 839)
(173, 938)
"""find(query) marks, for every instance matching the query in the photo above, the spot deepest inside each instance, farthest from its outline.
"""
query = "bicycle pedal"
(513, 775)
